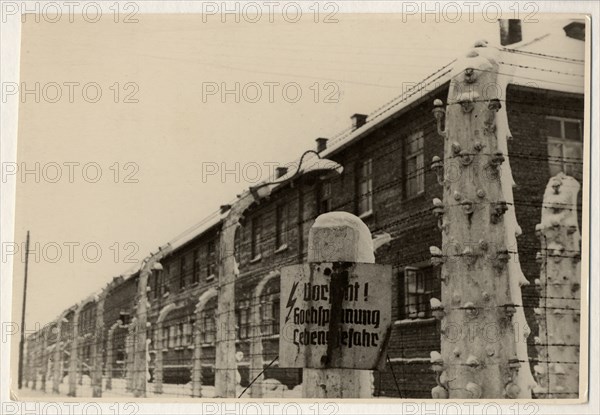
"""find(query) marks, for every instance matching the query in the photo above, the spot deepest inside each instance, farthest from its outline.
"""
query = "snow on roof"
(548, 59)
(312, 163)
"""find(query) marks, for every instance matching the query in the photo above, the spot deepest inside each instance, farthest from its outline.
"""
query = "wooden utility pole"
(483, 343)
(22, 340)
(558, 315)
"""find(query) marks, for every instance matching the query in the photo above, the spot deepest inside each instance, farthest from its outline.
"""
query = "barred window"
(414, 165)
(165, 337)
(172, 337)
(365, 188)
(324, 203)
(157, 283)
(188, 333)
(182, 267)
(256, 236)
(208, 326)
(210, 260)
(269, 314)
(418, 287)
(166, 281)
(281, 226)
(196, 267)
(243, 320)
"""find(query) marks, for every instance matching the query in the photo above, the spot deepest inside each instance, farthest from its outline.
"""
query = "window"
(167, 279)
(243, 320)
(196, 267)
(179, 335)
(124, 317)
(172, 337)
(324, 197)
(182, 272)
(414, 165)
(282, 226)
(418, 289)
(565, 146)
(275, 313)
(208, 323)
(188, 333)
(165, 337)
(256, 237)
(365, 188)
(269, 315)
(210, 260)
(237, 244)
(156, 286)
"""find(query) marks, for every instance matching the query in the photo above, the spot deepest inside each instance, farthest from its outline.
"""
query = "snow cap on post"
(346, 238)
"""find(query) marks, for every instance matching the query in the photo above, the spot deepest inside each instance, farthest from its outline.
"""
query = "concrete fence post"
(74, 358)
(558, 314)
(97, 362)
(342, 243)
(480, 272)
(58, 354)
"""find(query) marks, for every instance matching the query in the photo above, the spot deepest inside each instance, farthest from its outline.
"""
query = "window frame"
(182, 267)
(256, 238)
(364, 178)
(415, 303)
(324, 200)
(209, 326)
(243, 320)
(210, 259)
(564, 142)
(195, 266)
(418, 176)
(281, 225)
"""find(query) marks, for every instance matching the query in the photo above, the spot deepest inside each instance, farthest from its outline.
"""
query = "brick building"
(387, 181)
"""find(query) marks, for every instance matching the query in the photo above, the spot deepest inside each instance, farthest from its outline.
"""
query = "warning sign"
(335, 315)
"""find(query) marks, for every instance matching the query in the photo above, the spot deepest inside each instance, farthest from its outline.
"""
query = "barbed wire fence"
(80, 356)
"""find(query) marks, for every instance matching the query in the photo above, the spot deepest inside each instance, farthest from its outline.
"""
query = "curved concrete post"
(256, 346)
(130, 346)
(141, 356)
(158, 363)
(34, 362)
(98, 348)
(45, 360)
(109, 353)
(226, 364)
(58, 353)
(197, 362)
(73, 360)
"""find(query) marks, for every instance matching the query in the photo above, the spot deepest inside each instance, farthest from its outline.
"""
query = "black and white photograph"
(306, 203)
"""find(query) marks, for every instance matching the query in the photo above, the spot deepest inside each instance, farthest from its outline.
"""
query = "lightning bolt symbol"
(291, 301)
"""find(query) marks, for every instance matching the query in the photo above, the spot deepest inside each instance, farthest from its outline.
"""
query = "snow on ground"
(170, 391)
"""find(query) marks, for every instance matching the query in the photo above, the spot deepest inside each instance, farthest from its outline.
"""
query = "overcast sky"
(173, 131)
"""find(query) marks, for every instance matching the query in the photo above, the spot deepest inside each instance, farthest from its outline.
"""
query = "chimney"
(224, 208)
(575, 30)
(358, 120)
(280, 172)
(510, 31)
(321, 144)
